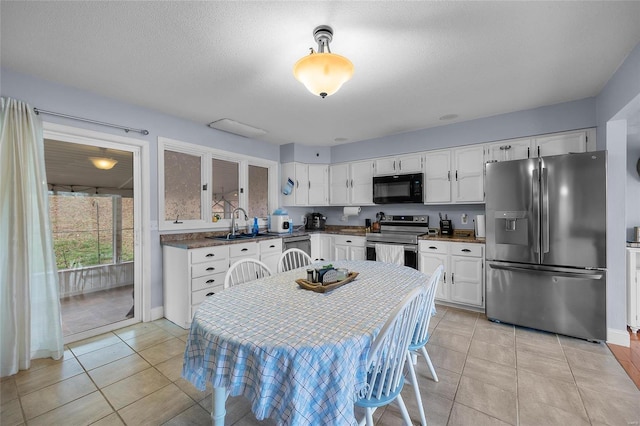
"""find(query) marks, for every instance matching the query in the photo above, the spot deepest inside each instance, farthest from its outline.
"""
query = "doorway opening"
(95, 220)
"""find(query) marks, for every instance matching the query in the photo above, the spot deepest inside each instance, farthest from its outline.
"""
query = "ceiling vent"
(240, 129)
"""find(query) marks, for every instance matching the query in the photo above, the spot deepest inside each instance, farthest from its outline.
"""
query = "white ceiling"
(414, 61)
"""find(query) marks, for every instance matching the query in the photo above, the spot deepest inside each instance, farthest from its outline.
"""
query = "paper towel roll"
(351, 211)
(480, 226)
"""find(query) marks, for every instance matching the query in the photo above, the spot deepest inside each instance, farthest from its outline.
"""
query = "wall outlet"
(465, 219)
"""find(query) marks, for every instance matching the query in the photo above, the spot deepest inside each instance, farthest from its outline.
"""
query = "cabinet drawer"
(198, 297)
(348, 240)
(208, 268)
(434, 247)
(206, 254)
(215, 280)
(244, 249)
(271, 246)
(469, 250)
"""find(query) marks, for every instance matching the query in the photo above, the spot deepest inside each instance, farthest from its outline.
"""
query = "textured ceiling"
(414, 61)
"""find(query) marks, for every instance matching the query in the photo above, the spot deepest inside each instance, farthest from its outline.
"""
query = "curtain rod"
(57, 114)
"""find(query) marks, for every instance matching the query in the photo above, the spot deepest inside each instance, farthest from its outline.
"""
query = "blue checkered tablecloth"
(298, 356)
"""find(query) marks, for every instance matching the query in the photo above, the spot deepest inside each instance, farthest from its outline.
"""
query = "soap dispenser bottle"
(255, 228)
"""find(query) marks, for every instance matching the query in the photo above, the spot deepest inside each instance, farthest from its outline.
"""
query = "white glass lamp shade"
(103, 163)
(323, 73)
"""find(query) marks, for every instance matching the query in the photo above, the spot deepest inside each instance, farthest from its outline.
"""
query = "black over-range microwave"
(398, 189)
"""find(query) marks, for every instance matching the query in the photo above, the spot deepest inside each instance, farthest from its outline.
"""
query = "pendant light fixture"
(323, 73)
(103, 163)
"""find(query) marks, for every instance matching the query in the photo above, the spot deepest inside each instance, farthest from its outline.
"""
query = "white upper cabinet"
(339, 189)
(362, 183)
(541, 146)
(517, 149)
(410, 163)
(467, 175)
(310, 184)
(437, 182)
(302, 184)
(318, 184)
(455, 175)
(561, 143)
(351, 183)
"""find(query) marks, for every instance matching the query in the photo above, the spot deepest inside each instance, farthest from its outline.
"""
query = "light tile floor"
(490, 374)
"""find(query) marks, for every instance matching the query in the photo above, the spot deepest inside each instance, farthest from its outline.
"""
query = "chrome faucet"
(234, 225)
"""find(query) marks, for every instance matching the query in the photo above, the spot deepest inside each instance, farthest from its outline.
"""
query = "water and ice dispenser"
(511, 227)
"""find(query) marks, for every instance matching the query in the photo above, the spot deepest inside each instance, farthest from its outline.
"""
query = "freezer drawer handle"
(547, 272)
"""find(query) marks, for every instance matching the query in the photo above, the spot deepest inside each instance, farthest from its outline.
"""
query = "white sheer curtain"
(30, 321)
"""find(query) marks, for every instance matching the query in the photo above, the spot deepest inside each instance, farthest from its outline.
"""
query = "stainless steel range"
(399, 230)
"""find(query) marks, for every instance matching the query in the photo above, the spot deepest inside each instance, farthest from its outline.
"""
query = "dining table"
(299, 356)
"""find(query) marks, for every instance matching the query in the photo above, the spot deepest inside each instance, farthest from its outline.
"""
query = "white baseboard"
(158, 312)
(618, 337)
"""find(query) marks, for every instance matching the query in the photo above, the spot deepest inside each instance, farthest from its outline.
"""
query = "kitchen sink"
(241, 237)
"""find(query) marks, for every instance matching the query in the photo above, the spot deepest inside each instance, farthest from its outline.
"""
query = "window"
(258, 191)
(181, 186)
(225, 187)
(192, 176)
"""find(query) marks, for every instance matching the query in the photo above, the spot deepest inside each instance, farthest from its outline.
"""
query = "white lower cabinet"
(347, 247)
(463, 280)
(633, 289)
(270, 251)
(321, 247)
(188, 277)
(243, 251)
(431, 255)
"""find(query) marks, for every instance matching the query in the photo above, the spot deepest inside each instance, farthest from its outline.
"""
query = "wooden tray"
(319, 288)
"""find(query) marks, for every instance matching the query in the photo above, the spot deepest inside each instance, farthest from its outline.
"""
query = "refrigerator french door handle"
(535, 202)
(545, 210)
(547, 272)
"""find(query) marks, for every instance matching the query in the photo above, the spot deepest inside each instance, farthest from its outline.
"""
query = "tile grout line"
(98, 387)
(515, 352)
(575, 383)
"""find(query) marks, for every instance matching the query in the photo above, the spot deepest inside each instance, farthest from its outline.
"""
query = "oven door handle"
(407, 247)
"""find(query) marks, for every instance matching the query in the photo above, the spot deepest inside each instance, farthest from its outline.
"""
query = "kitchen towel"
(390, 253)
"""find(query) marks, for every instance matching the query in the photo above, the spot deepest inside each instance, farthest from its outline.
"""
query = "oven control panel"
(400, 219)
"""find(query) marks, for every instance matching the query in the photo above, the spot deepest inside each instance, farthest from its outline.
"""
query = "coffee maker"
(315, 221)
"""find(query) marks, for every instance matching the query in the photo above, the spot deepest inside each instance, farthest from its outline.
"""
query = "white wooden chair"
(245, 270)
(388, 355)
(421, 337)
(293, 259)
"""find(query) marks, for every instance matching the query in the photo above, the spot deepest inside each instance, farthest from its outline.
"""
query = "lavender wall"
(46, 95)
(612, 112)
(555, 118)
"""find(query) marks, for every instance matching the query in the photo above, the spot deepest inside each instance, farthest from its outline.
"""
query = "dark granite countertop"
(199, 240)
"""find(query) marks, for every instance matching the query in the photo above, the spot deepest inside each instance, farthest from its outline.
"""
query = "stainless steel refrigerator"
(546, 243)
